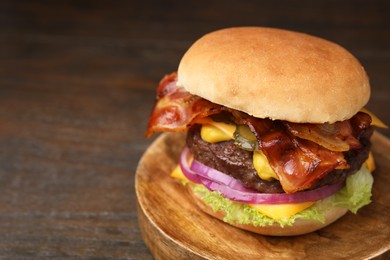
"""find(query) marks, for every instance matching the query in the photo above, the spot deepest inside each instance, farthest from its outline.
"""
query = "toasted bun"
(277, 74)
(300, 227)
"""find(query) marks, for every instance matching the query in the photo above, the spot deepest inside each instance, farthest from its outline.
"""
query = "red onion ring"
(198, 171)
(231, 188)
(268, 198)
(185, 168)
(217, 176)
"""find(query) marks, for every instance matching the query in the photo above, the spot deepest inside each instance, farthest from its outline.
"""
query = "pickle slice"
(244, 138)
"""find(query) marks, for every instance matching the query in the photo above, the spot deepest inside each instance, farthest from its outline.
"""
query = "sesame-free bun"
(299, 227)
(276, 74)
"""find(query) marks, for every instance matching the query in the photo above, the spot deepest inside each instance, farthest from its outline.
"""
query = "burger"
(278, 140)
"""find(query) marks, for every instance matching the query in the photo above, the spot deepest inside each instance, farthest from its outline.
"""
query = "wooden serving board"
(174, 228)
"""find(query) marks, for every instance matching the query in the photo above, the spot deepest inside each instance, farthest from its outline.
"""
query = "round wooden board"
(174, 228)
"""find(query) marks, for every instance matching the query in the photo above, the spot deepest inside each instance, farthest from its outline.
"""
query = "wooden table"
(77, 82)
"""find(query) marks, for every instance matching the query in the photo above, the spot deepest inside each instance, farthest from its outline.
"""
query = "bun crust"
(276, 74)
(300, 227)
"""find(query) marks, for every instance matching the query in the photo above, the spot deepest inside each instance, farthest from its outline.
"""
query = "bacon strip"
(300, 154)
(176, 110)
(335, 137)
(339, 137)
(297, 162)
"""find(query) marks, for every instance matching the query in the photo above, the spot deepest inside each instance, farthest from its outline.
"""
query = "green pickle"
(244, 138)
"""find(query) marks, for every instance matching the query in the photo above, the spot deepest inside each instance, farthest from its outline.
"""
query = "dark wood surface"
(77, 82)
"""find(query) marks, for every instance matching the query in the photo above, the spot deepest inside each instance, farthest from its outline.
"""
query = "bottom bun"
(299, 227)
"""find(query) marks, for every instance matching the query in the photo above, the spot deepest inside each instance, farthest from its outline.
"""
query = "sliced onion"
(217, 176)
(269, 198)
(197, 171)
(185, 167)
(232, 189)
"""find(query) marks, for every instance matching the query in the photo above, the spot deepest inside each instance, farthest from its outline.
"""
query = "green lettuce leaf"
(357, 191)
(355, 194)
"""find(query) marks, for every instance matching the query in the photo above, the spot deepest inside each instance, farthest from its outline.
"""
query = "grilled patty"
(238, 163)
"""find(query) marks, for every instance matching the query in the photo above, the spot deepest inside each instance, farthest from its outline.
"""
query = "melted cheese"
(261, 164)
(213, 132)
(370, 162)
(178, 173)
(281, 211)
(375, 120)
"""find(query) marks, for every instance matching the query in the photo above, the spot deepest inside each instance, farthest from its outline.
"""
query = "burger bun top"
(276, 74)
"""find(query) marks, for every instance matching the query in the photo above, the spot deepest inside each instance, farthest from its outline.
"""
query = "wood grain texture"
(175, 228)
(77, 83)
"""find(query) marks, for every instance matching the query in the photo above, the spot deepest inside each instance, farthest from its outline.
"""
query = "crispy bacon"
(300, 154)
(176, 109)
(297, 162)
(340, 136)
(335, 137)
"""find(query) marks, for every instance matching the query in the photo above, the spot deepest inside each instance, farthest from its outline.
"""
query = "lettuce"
(357, 191)
(355, 194)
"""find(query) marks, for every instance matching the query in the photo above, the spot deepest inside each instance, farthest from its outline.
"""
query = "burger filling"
(231, 159)
(300, 155)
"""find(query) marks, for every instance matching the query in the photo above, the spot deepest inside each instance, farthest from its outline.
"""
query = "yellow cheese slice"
(281, 211)
(261, 164)
(370, 162)
(177, 173)
(375, 120)
(213, 132)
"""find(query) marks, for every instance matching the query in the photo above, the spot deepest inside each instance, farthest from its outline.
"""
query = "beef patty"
(238, 163)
